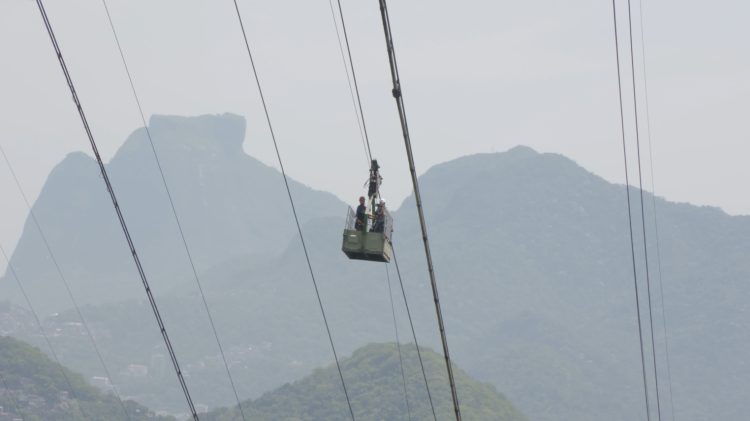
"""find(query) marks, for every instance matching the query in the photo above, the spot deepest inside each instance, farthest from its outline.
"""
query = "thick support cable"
(630, 216)
(643, 212)
(414, 336)
(120, 216)
(38, 321)
(291, 202)
(398, 342)
(64, 280)
(407, 142)
(174, 210)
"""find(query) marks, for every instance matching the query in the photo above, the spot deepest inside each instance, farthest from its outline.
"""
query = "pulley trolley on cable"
(367, 235)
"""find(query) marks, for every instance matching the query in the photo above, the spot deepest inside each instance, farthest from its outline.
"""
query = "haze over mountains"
(229, 205)
(532, 255)
(34, 388)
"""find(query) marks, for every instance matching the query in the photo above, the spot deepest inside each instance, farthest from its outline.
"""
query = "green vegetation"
(532, 254)
(34, 388)
(375, 386)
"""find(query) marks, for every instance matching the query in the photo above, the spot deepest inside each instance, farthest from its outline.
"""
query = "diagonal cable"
(414, 335)
(118, 211)
(354, 74)
(643, 212)
(64, 280)
(656, 219)
(365, 141)
(630, 216)
(174, 209)
(397, 95)
(291, 202)
(398, 342)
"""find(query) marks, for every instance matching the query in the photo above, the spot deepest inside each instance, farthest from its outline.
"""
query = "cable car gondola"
(367, 235)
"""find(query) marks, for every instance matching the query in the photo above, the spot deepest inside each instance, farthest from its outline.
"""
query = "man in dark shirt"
(361, 222)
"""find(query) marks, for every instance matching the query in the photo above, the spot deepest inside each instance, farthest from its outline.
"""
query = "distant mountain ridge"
(229, 205)
(532, 256)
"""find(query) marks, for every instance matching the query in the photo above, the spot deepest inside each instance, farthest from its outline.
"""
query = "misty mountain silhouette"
(229, 205)
(533, 256)
(533, 262)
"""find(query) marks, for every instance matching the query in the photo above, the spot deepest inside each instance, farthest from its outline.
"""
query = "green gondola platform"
(372, 246)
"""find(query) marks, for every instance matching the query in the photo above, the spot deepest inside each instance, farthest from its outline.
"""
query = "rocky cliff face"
(532, 255)
(229, 204)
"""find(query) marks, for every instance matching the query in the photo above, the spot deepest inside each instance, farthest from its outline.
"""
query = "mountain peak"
(519, 161)
(521, 150)
(228, 204)
(228, 127)
(212, 133)
(74, 161)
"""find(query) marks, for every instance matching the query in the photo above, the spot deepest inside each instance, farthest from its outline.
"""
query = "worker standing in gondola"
(379, 224)
(361, 223)
(368, 229)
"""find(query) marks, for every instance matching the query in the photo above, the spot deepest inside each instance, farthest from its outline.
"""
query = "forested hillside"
(376, 390)
(533, 262)
(33, 388)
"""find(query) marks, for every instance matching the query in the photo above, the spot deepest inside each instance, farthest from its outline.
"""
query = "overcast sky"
(478, 76)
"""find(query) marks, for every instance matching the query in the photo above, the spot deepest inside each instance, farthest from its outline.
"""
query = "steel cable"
(397, 94)
(118, 211)
(291, 202)
(398, 342)
(368, 151)
(174, 210)
(643, 212)
(64, 280)
(630, 216)
(354, 75)
(365, 141)
(656, 219)
(414, 336)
